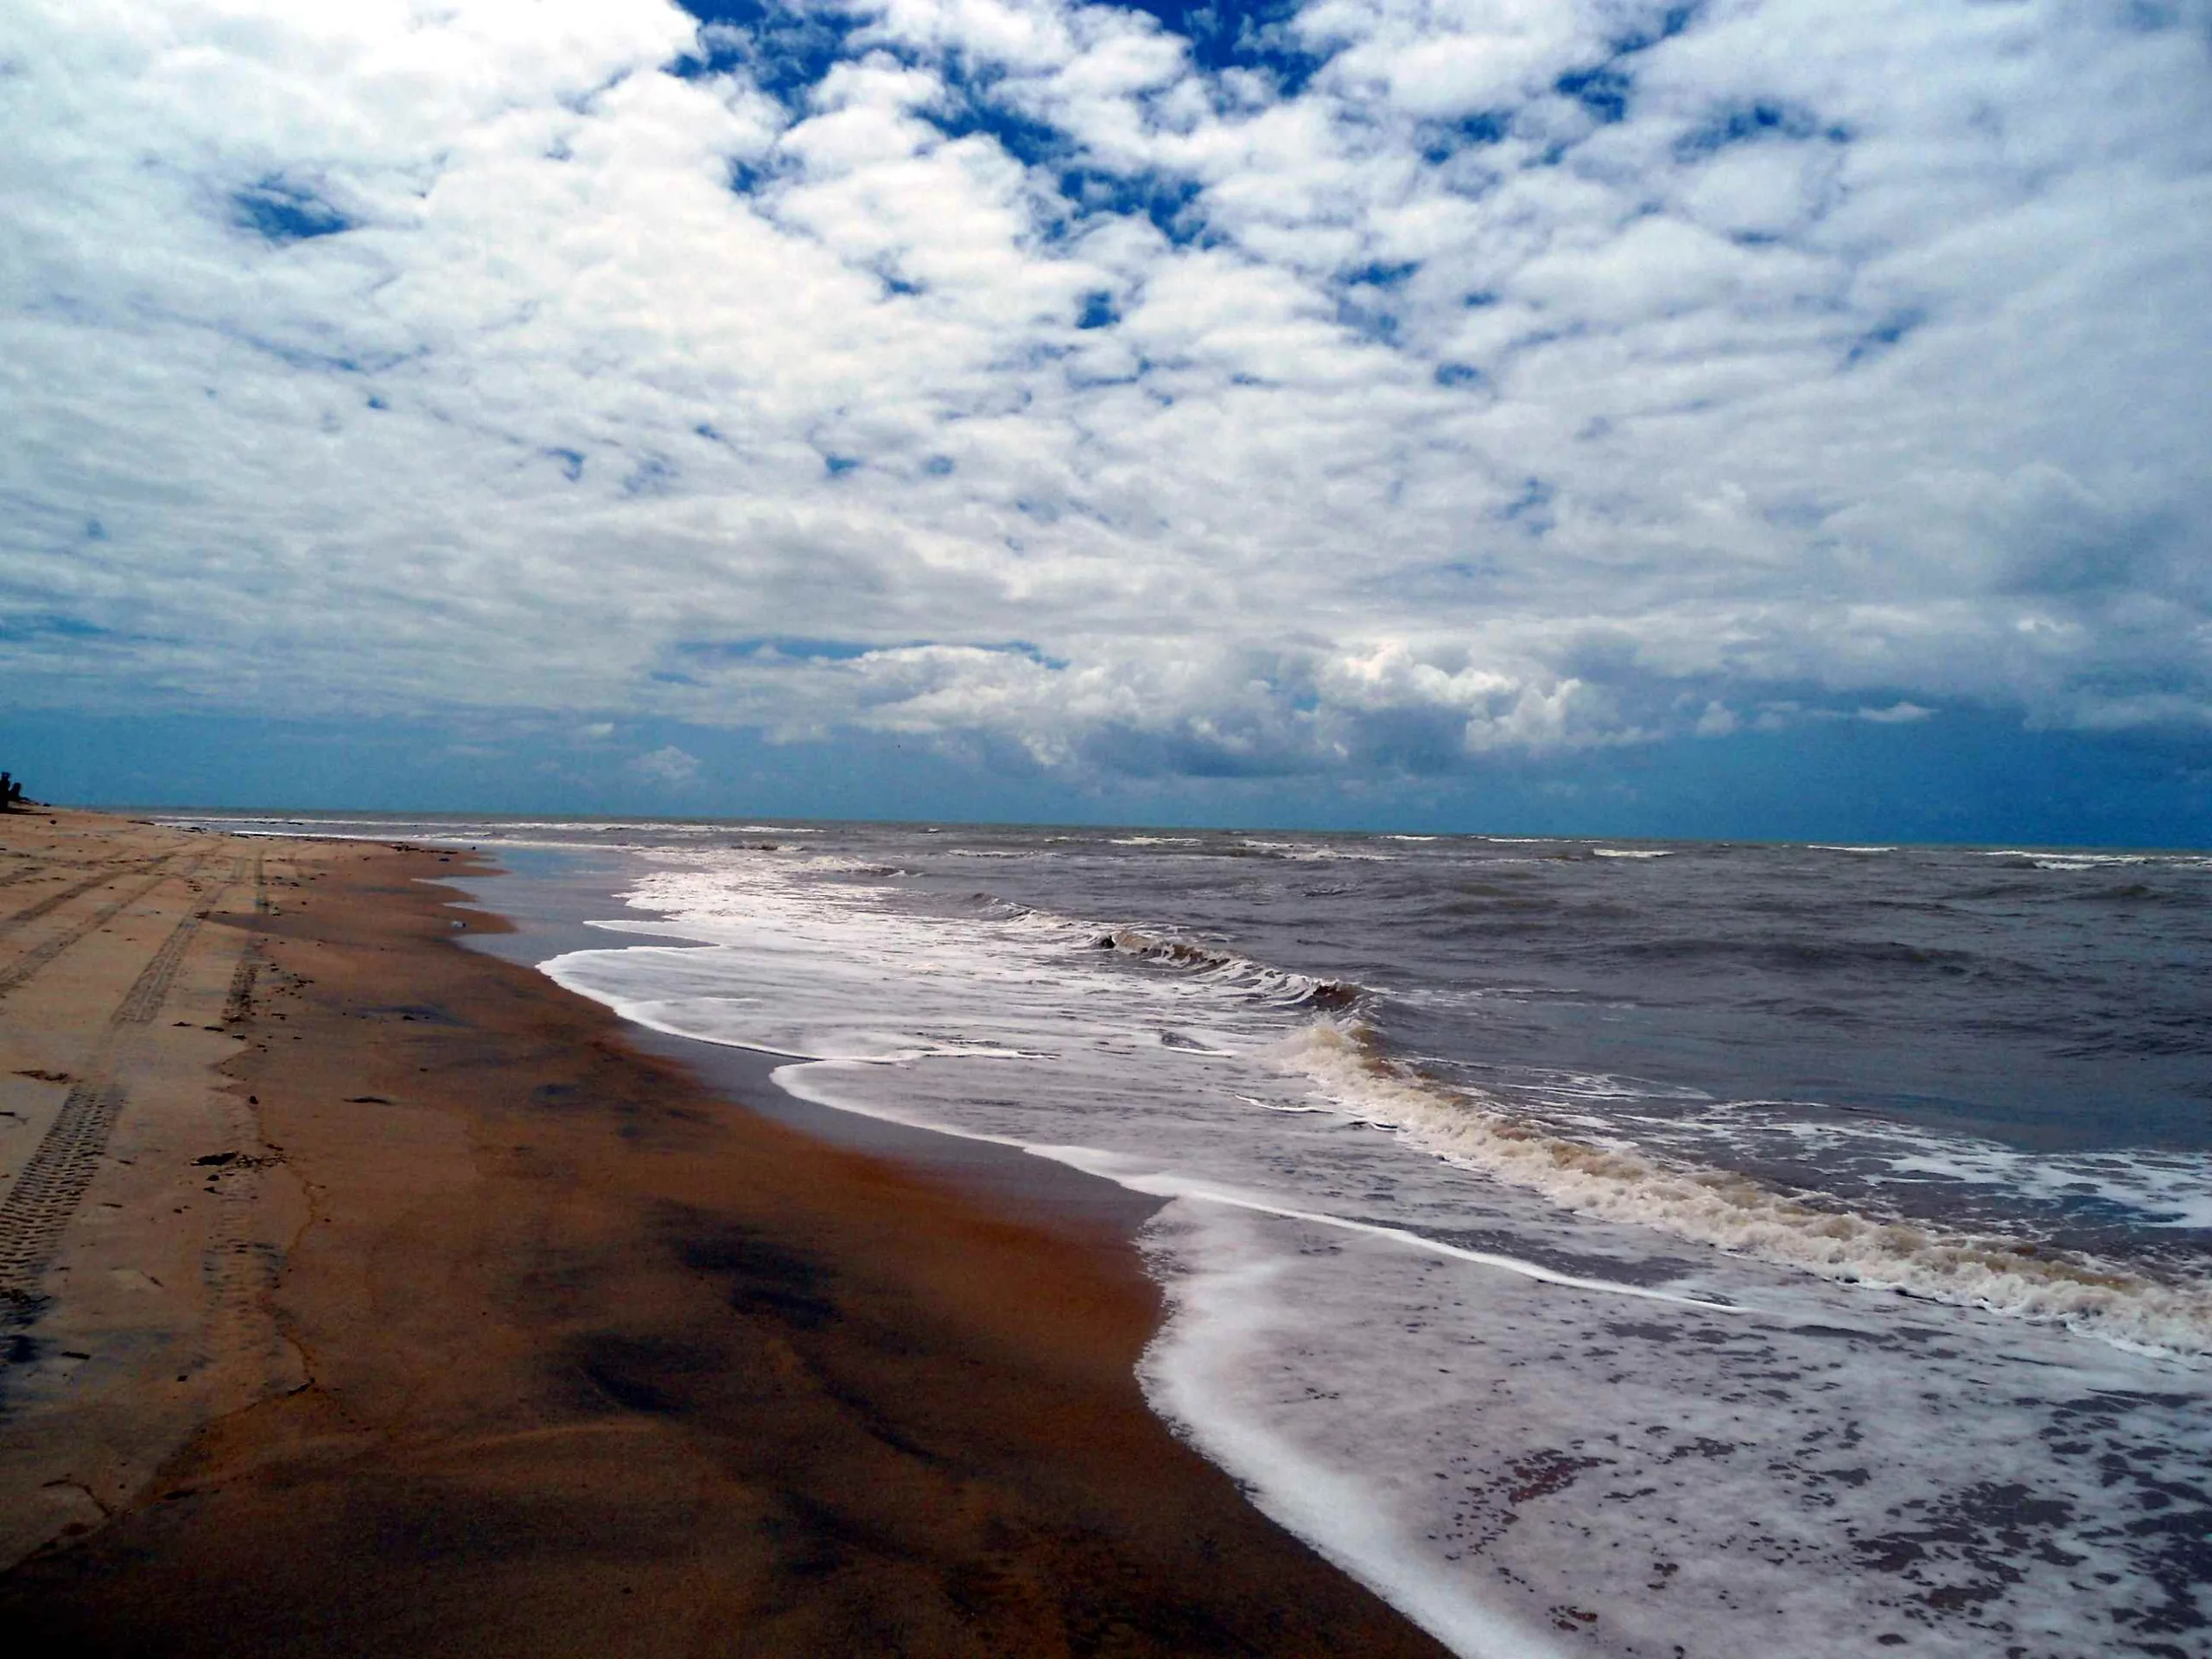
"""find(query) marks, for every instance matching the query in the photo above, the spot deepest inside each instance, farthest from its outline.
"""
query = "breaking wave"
(1737, 1213)
(1233, 971)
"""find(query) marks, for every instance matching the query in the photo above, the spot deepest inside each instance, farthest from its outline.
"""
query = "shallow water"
(1596, 1246)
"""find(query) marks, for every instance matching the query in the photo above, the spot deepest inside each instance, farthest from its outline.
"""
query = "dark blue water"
(2054, 1001)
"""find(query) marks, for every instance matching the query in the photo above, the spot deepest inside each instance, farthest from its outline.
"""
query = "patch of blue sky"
(1602, 90)
(1359, 313)
(1753, 122)
(1382, 274)
(751, 178)
(1604, 87)
(1170, 203)
(1367, 298)
(1442, 140)
(283, 210)
(1656, 24)
(1232, 35)
(1532, 508)
(895, 282)
(1878, 341)
(786, 48)
(972, 107)
(37, 625)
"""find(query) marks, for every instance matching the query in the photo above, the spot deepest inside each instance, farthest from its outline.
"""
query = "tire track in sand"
(240, 1268)
(239, 1002)
(47, 1193)
(38, 956)
(55, 900)
(20, 873)
(53, 1184)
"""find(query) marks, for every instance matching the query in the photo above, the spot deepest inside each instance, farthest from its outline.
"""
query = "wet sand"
(469, 1325)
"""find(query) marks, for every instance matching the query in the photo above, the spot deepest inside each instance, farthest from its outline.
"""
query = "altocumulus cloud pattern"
(1358, 385)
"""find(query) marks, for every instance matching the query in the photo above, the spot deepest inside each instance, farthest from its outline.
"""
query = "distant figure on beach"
(12, 793)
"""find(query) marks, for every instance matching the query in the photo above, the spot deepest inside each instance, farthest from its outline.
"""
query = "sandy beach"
(368, 1295)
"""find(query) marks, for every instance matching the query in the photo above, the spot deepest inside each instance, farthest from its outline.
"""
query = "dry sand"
(368, 1295)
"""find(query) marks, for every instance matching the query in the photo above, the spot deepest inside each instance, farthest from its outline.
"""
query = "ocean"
(1596, 1248)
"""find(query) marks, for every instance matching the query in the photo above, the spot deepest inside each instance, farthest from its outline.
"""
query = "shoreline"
(552, 912)
(569, 1349)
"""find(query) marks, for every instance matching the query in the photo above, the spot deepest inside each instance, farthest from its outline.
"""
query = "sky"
(1780, 417)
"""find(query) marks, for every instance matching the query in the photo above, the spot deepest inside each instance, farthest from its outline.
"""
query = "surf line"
(1092, 1162)
(1172, 1186)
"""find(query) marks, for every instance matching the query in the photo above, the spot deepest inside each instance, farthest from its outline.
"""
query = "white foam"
(2158, 1190)
(1306, 852)
(1736, 1213)
(1729, 1487)
(1220, 1311)
(2048, 859)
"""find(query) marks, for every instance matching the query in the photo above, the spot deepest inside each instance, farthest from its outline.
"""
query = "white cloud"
(668, 766)
(1425, 411)
(1717, 720)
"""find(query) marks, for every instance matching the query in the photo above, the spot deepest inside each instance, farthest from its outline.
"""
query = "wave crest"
(1256, 978)
(1737, 1213)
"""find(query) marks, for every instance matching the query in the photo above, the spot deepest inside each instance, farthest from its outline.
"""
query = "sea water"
(1596, 1248)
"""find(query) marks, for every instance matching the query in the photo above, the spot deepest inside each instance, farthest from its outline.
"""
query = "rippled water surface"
(1598, 1248)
